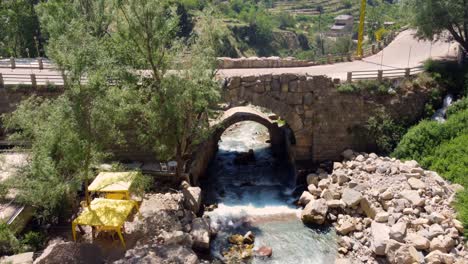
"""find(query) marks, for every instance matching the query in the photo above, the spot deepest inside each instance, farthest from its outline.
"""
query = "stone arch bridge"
(323, 120)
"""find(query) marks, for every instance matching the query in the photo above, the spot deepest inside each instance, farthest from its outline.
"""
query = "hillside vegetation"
(246, 27)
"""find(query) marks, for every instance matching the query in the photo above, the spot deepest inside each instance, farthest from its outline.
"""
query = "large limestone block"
(201, 234)
(380, 235)
(413, 197)
(192, 198)
(351, 197)
(315, 212)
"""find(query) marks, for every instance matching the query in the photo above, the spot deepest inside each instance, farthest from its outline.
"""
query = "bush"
(451, 159)
(462, 208)
(9, 244)
(33, 241)
(422, 140)
(385, 132)
(458, 106)
(371, 86)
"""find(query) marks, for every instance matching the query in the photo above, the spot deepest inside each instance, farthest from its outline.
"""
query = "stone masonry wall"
(323, 120)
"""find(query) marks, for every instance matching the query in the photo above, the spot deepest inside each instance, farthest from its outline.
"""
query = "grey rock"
(351, 197)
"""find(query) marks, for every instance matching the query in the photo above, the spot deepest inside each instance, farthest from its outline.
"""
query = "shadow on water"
(259, 197)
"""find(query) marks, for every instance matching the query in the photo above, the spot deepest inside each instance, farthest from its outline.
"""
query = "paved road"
(404, 51)
(395, 56)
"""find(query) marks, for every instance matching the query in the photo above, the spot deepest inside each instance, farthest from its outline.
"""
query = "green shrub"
(462, 208)
(422, 140)
(450, 159)
(458, 106)
(33, 241)
(384, 131)
(371, 86)
(9, 244)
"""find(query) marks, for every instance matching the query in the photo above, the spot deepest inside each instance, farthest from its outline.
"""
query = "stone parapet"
(262, 62)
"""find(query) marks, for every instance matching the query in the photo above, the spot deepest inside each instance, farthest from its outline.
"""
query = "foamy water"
(258, 198)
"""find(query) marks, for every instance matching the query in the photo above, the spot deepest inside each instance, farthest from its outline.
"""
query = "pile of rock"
(386, 209)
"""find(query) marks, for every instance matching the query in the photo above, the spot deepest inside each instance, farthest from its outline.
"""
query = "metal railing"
(383, 74)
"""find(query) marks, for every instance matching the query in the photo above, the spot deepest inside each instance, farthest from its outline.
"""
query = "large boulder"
(23, 258)
(305, 198)
(418, 241)
(413, 197)
(315, 212)
(192, 198)
(71, 253)
(442, 243)
(398, 231)
(201, 234)
(351, 197)
(380, 235)
(368, 208)
(398, 253)
(159, 254)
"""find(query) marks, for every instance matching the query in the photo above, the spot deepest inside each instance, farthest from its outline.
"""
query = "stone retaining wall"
(263, 62)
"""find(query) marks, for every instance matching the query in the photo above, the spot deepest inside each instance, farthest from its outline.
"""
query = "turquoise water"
(259, 197)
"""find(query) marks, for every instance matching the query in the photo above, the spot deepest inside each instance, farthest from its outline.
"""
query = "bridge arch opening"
(277, 137)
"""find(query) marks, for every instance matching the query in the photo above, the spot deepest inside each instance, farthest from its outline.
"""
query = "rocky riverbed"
(386, 211)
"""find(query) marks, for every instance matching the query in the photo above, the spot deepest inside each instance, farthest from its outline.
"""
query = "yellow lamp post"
(361, 28)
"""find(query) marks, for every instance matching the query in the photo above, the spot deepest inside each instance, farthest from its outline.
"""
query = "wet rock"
(346, 227)
(305, 198)
(244, 158)
(264, 251)
(315, 212)
(312, 179)
(249, 238)
(351, 197)
(201, 234)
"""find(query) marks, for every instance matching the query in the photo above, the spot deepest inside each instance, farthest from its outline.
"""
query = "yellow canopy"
(105, 213)
(112, 182)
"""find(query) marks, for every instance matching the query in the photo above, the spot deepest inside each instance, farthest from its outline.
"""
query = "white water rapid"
(258, 197)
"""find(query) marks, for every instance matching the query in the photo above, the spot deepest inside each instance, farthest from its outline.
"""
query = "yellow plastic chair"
(116, 196)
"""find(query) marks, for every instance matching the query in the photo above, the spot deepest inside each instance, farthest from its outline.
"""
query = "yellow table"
(105, 214)
(113, 184)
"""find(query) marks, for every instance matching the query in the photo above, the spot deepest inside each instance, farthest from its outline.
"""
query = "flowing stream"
(258, 197)
(441, 113)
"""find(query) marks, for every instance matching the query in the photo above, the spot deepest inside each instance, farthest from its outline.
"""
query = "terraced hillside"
(312, 7)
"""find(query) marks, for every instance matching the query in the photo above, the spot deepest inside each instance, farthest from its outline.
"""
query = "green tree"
(174, 107)
(69, 134)
(434, 17)
(19, 33)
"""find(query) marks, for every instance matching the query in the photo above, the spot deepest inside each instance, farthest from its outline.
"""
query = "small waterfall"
(258, 197)
(440, 114)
